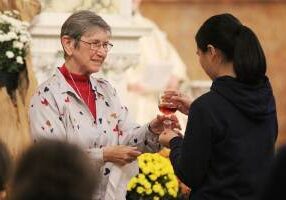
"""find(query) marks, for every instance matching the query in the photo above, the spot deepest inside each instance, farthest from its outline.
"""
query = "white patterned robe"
(57, 112)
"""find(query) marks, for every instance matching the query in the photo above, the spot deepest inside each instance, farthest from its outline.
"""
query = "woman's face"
(206, 62)
(89, 60)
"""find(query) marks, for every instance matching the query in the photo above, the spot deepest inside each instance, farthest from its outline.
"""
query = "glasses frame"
(107, 46)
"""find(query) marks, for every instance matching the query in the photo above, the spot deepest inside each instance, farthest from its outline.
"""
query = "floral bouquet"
(156, 179)
(14, 41)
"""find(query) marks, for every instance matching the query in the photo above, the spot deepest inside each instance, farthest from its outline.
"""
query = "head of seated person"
(5, 169)
(53, 170)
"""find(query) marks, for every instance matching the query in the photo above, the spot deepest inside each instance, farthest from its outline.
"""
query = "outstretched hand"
(167, 135)
(120, 154)
(157, 124)
(182, 101)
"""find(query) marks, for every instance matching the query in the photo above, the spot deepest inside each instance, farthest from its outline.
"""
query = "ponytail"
(248, 59)
(238, 44)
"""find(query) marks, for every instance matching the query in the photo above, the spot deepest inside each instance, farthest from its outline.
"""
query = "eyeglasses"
(97, 44)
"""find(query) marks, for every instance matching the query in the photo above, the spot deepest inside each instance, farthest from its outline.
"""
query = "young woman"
(231, 131)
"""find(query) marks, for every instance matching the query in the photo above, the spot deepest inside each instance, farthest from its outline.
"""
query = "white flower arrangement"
(14, 41)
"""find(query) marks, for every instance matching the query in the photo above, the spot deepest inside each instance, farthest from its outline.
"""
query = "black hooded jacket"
(229, 141)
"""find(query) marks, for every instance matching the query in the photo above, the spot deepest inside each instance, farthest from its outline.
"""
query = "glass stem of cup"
(167, 123)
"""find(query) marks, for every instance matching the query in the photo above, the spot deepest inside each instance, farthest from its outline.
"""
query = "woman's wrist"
(175, 141)
(106, 153)
(151, 130)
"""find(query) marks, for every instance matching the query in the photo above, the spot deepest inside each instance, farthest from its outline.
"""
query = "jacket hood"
(256, 101)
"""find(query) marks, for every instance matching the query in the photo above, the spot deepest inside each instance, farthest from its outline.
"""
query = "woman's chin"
(95, 68)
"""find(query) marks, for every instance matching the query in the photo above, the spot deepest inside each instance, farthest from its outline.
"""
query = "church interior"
(137, 66)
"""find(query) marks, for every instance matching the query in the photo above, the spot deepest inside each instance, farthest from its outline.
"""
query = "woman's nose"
(101, 51)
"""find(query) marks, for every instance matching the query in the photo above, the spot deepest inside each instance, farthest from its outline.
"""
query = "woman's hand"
(167, 135)
(182, 101)
(120, 154)
(157, 124)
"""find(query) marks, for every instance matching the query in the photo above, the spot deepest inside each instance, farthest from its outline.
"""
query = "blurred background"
(180, 19)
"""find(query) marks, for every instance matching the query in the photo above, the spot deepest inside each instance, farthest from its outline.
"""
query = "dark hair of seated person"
(53, 170)
(5, 168)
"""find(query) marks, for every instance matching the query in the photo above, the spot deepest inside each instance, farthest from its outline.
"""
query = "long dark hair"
(238, 43)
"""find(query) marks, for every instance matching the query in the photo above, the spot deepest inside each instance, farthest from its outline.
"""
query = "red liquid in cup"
(167, 109)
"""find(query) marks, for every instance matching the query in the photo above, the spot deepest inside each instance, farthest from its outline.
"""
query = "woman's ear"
(68, 44)
(215, 54)
(211, 50)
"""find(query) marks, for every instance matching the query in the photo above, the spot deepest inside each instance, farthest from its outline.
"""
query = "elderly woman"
(77, 107)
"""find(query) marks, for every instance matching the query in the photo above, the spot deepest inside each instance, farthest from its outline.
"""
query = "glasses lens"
(97, 45)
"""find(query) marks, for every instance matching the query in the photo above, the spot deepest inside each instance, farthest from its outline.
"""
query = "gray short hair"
(80, 22)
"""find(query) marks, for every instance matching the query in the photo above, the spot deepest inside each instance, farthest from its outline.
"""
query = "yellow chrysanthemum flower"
(140, 190)
(156, 178)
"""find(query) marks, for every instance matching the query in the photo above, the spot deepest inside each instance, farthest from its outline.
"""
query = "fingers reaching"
(180, 100)
(167, 136)
(120, 154)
